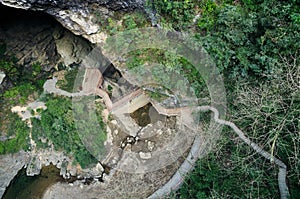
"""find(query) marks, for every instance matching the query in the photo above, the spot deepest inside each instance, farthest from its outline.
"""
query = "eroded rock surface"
(30, 40)
(120, 185)
(9, 166)
(72, 49)
(79, 16)
(37, 37)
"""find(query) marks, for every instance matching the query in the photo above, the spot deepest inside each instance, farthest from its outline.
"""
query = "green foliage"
(9, 68)
(256, 45)
(17, 74)
(57, 124)
(69, 79)
(123, 21)
(36, 69)
(19, 132)
(169, 67)
(11, 125)
(177, 13)
(19, 94)
(230, 173)
(156, 95)
(250, 4)
(25, 81)
(110, 90)
(248, 42)
(129, 22)
(268, 112)
(89, 123)
(209, 12)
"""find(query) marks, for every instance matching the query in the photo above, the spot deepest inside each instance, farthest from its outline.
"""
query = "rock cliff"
(79, 16)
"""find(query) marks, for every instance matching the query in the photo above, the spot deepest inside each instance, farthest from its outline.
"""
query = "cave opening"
(36, 37)
(28, 37)
(9, 15)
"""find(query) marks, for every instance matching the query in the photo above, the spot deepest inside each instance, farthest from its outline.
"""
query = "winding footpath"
(175, 182)
(92, 85)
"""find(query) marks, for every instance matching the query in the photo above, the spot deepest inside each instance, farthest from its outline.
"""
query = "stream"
(32, 187)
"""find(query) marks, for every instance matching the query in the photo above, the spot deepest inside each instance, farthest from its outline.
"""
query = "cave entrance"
(28, 37)
(9, 15)
(35, 36)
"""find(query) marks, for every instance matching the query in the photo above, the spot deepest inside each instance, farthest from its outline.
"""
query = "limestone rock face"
(63, 4)
(9, 166)
(35, 37)
(79, 16)
(71, 48)
(27, 36)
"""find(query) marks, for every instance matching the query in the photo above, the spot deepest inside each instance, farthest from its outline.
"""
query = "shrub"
(58, 125)
(20, 131)
(177, 13)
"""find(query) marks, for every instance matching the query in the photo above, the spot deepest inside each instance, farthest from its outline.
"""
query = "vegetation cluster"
(67, 83)
(59, 127)
(56, 127)
(23, 84)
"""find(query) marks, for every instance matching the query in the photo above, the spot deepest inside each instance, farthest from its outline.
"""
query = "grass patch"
(67, 83)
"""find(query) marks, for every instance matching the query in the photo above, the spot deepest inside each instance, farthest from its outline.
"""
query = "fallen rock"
(145, 155)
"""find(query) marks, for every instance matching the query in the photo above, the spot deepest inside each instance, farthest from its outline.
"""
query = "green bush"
(20, 132)
(169, 66)
(19, 94)
(57, 124)
(209, 13)
(25, 81)
(177, 13)
(230, 172)
(256, 45)
(129, 20)
(249, 42)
